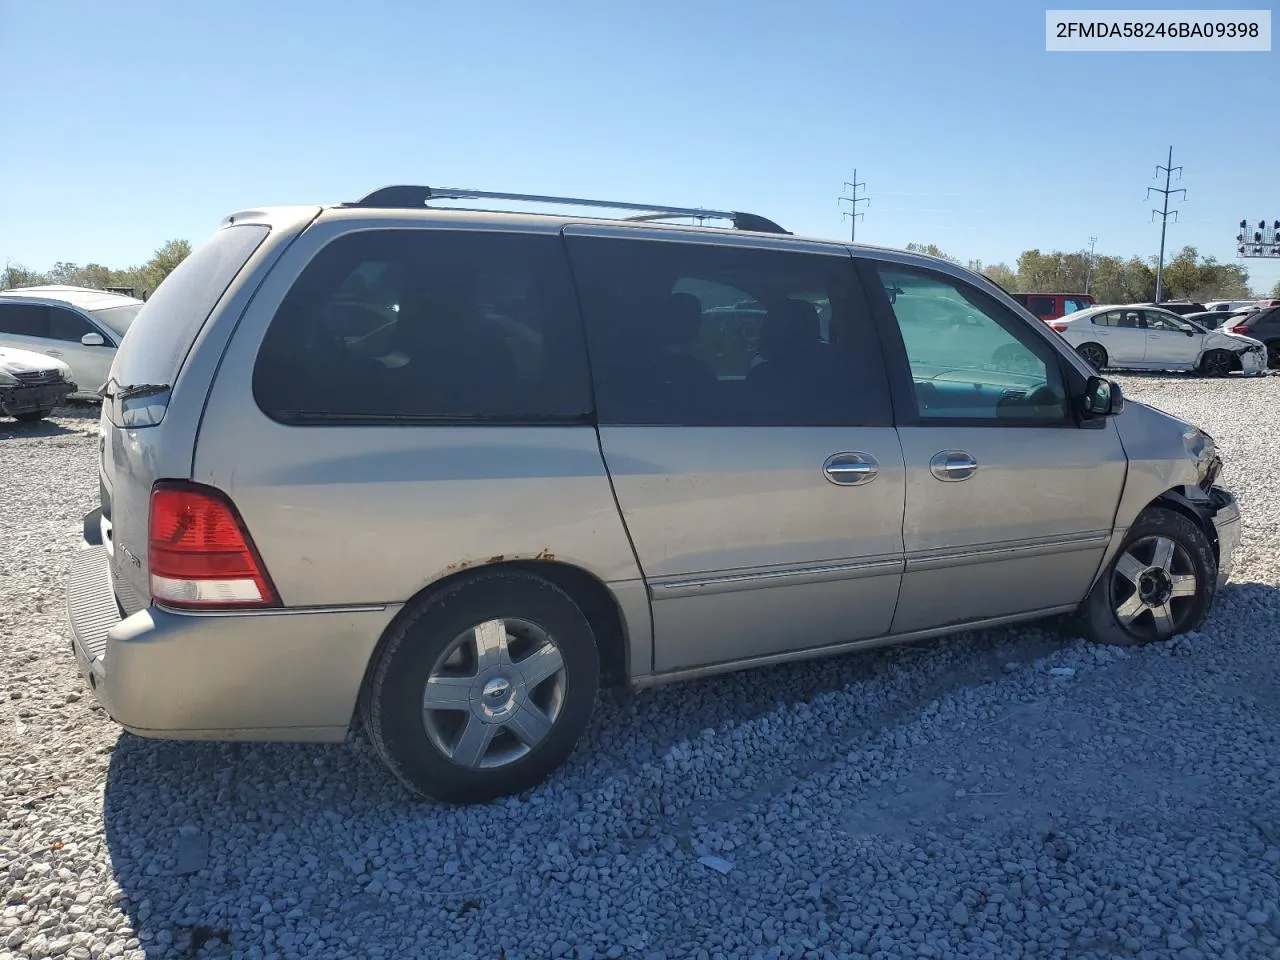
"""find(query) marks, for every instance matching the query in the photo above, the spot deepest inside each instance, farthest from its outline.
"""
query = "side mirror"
(92, 339)
(1191, 333)
(1102, 398)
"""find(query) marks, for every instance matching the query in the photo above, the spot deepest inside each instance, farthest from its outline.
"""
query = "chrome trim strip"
(271, 611)
(786, 576)
(810, 653)
(940, 559)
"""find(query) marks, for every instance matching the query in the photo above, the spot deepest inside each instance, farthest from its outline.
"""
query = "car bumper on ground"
(1226, 523)
(218, 676)
(19, 400)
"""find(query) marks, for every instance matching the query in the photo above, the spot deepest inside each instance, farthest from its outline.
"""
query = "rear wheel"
(1216, 363)
(32, 415)
(483, 689)
(1161, 582)
(1093, 354)
(1273, 354)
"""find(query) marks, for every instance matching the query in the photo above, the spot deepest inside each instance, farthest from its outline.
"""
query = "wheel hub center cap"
(1154, 587)
(498, 699)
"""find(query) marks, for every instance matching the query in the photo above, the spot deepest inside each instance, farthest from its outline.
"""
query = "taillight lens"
(1060, 327)
(1237, 328)
(199, 552)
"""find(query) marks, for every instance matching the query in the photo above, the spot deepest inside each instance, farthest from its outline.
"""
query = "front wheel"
(1160, 583)
(1216, 363)
(483, 689)
(1094, 355)
(32, 415)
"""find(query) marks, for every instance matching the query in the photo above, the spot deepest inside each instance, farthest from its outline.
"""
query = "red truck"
(1051, 306)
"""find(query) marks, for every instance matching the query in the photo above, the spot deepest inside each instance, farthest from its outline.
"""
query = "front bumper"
(21, 399)
(1253, 361)
(1225, 516)
(284, 674)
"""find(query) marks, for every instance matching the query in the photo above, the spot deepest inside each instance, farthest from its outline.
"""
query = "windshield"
(117, 319)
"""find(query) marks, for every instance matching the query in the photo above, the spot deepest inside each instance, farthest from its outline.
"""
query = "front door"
(89, 364)
(746, 425)
(1010, 503)
(1171, 340)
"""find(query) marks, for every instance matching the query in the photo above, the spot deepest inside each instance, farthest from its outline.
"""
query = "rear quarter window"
(156, 344)
(428, 326)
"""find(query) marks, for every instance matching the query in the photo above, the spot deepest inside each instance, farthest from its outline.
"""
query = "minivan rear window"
(157, 342)
(406, 326)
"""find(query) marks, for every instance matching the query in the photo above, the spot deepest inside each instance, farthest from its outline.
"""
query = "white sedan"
(1146, 338)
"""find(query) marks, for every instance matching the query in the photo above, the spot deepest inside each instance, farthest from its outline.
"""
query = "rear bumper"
(1226, 523)
(277, 675)
(16, 400)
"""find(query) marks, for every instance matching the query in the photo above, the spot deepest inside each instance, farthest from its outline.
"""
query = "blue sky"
(132, 122)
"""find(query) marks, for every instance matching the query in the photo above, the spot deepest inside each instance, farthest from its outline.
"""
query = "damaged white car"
(31, 384)
(1147, 338)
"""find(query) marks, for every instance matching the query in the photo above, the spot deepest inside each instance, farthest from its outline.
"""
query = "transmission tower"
(1088, 267)
(853, 213)
(1164, 213)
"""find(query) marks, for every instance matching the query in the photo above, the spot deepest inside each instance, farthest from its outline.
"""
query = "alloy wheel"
(1154, 588)
(494, 694)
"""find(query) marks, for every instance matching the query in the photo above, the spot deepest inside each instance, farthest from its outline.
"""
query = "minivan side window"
(700, 334)
(969, 359)
(428, 326)
(65, 325)
(24, 320)
(1042, 306)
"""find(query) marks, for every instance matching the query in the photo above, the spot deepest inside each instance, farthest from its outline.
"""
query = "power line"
(853, 213)
(1164, 212)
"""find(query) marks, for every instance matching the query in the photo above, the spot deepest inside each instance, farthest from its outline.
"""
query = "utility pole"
(852, 213)
(1088, 267)
(1163, 213)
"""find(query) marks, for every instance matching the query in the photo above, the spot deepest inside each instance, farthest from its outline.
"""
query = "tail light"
(1060, 327)
(1237, 328)
(199, 553)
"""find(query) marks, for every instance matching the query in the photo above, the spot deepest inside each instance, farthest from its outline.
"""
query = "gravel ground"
(962, 798)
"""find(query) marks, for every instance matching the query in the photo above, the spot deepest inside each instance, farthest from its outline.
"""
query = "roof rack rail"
(415, 196)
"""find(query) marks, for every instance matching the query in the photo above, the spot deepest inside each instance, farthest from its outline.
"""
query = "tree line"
(1111, 279)
(143, 279)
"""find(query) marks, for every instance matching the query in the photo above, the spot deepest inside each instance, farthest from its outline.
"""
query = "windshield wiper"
(134, 390)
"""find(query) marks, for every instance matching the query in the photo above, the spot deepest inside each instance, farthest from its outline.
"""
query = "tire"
(1273, 355)
(31, 416)
(1119, 592)
(453, 753)
(1094, 354)
(1216, 363)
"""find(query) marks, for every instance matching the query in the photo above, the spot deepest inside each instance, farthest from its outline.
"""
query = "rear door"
(1121, 333)
(1009, 503)
(1171, 340)
(745, 419)
(24, 326)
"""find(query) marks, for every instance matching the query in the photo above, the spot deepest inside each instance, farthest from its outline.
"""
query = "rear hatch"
(160, 377)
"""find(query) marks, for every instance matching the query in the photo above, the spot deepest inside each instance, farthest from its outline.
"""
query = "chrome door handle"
(951, 465)
(851, 469)
(54, 353)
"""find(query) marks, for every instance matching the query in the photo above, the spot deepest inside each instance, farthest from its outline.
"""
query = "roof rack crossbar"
(417, 196)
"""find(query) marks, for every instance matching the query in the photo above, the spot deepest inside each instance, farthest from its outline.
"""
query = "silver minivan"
(449, 470)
